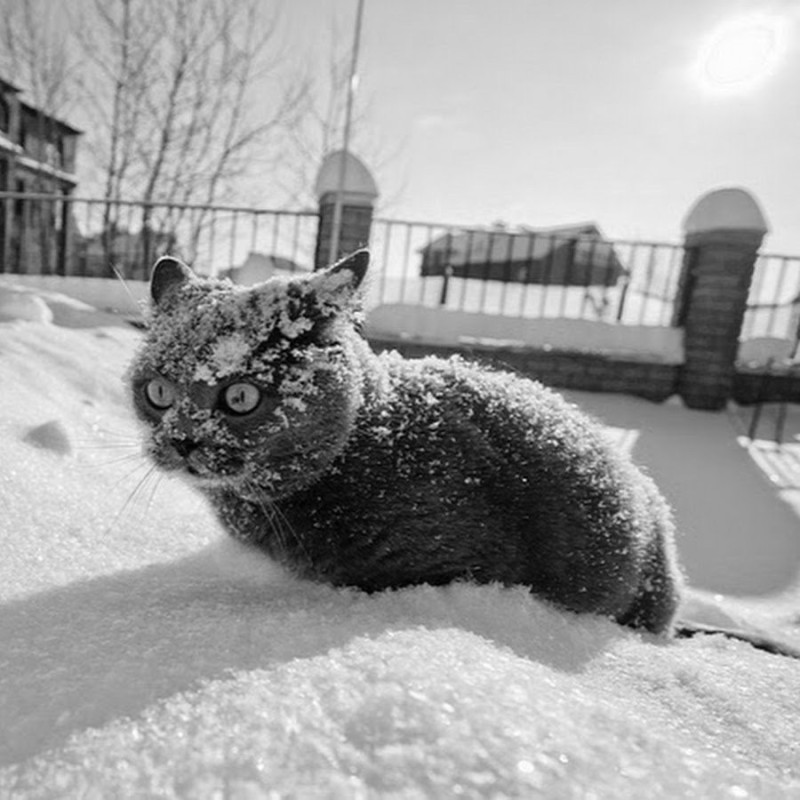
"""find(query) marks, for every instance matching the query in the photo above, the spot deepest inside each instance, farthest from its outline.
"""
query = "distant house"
(128, 253)
(37, 155)
(574, 255)
(258, 267)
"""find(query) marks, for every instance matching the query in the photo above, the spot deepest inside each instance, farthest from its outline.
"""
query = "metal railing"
(56, 235)
(773, 304)
(530, 274)
(524, 273)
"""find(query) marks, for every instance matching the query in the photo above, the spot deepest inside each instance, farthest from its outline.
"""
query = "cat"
(379, 472)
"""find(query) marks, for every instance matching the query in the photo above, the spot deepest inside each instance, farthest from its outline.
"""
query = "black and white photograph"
(400, 399)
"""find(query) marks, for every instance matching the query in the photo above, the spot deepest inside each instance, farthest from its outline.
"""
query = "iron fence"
(773, 304)
(520, 273)
(57, 235)
(524, 273)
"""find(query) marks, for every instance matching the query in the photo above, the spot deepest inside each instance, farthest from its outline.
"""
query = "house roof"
(6, 145)
(499, 245)
(9, 87)
(587, 228)
(59, 123)
(64, 127)
(258, 267)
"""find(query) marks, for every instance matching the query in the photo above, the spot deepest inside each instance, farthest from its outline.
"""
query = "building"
(117, 250)
(259, 267)
(573, 255)
(37, 155)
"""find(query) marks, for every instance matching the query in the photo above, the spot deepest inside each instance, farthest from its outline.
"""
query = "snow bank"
(456, 691)
(143, 654)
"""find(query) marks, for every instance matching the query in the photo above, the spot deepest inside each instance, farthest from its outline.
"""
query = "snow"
(143, 654)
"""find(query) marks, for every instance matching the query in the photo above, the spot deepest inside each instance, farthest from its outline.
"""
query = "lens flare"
(741, 53)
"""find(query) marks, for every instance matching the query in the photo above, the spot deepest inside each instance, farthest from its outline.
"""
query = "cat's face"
(250, 389)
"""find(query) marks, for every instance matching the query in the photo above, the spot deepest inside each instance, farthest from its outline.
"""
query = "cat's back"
(456, 470)
(458, 433)
(429, 396)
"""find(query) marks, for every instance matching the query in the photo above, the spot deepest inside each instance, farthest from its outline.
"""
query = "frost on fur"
(380, 472)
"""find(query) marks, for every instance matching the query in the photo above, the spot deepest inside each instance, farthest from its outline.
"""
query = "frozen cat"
(378, 472)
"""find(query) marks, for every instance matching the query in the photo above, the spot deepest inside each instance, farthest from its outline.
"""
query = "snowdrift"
(142, 654)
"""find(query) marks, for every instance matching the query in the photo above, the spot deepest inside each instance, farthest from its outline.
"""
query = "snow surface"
(143, 654)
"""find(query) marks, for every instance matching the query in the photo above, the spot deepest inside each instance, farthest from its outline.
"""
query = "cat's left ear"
(338, 284)
(168, 274)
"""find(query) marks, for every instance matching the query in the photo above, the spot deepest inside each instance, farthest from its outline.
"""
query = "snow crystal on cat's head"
(204, 374)
(296, 403)
(270, 295)
(292, 328)
(211, 330)
(228, 355)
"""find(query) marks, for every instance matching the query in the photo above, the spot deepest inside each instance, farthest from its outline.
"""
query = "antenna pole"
(348, 118)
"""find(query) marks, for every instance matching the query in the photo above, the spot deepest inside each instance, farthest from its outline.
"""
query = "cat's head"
(252, 389)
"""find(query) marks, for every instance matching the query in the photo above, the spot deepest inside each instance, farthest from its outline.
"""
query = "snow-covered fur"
(378, 472)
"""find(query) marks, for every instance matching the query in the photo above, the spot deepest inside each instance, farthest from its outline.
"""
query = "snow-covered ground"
(144, 655)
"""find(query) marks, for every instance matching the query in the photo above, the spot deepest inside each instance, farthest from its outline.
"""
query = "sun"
(740, 54)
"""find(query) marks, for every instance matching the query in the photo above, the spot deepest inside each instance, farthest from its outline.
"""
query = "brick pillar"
(723, 232)
(359, 193)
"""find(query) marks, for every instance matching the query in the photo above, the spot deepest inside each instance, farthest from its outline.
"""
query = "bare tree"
(321, 128)
(171, 86)
(320, 131)
(36, 57)
(185, 103)
(34, 54)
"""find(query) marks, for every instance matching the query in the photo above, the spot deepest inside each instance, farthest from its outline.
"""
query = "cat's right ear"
(338, 284)
(356, 264)
(168, 274)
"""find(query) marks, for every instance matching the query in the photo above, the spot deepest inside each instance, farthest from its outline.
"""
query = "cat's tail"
(687, 630)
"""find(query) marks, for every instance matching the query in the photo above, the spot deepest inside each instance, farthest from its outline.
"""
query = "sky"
(543, 113)
(146, 654)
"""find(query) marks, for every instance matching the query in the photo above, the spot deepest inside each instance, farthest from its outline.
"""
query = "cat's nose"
(183, 446)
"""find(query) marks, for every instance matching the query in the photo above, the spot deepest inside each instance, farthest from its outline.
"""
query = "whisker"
(131, 472)
(139, 488)
(88, 445)
(109, 449)
(131, 497)
(128, 432)
(266, 506)
(155, 484)
(128, 458)
(134, 303)
(147, 487)
(278, 521)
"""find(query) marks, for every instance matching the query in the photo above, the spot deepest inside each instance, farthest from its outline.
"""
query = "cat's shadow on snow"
(81, 655)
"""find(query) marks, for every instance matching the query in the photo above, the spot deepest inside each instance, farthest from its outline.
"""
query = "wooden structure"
(37, 156)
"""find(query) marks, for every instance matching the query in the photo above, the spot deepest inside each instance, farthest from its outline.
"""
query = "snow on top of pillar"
(730, 208)
(358, 180)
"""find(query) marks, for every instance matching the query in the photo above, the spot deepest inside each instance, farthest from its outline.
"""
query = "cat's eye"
(241, 398)
(160, 394)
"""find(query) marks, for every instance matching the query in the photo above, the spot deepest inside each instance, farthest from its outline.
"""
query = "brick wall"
(753, 386)
(718, 271)
(598, 373)
(560, 369)
(724, 230)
